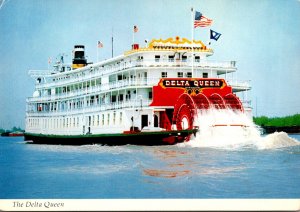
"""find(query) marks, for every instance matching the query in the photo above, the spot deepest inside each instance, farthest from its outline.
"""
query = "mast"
(112, 42)
(192, 25)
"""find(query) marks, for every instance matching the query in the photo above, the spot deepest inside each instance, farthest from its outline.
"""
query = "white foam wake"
(229, 129)
(276, 140)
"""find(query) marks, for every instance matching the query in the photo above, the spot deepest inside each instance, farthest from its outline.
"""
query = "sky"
(263, 36)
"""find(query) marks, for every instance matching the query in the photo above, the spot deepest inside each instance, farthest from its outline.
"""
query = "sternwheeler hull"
(138, 138)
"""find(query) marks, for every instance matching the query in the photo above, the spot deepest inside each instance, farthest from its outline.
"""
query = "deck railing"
(94, 71)
(239, 84)
(137, 104)
(138, 82)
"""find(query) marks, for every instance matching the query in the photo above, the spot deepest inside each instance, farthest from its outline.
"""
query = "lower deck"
(101, 122)
(136, 138)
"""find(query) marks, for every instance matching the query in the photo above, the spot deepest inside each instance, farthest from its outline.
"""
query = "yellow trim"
(176, 41)
(162, 45)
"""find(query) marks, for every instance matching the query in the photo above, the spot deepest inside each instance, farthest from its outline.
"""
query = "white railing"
(135, 103)
(246, 103)
(99, 88)
(239, 84)
(91, 72)
(138, 82)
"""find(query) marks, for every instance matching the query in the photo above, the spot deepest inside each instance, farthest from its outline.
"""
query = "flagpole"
(98, 51)
(49, 61)
(112, 42)
(192, 17)
(208, 41)
(133, 36)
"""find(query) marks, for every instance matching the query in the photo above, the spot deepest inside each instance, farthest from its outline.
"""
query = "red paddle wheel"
(217, 101)
(188, 95)
(186, 107)
(233, 102)
(202, 101)
(184, 112)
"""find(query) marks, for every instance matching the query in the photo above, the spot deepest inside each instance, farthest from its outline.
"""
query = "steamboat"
(147, 96)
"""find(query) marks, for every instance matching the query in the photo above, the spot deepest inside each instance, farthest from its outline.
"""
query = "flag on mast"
(100, 44)
(135, 28)
(214, 35)
(201, 21)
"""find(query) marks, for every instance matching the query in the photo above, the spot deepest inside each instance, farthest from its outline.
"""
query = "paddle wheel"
(188, 96)
(185, 109)
(184, 112)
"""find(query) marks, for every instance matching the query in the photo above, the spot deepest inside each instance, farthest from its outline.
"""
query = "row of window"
(139, 58)
(78, 103)
(73, 122)
(172, 57)
(180, 74)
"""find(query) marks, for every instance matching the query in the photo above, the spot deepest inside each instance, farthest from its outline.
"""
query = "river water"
(262, 167)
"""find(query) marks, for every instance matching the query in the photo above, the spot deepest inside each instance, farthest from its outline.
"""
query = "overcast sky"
(263, 36)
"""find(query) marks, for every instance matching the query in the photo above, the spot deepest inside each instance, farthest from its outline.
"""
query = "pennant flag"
(214, 35)
(201, 21)
(135, 28)
(100, 44)
(49, 60)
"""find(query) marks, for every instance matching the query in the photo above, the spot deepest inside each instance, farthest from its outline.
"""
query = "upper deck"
(137, 67)
(170, 54)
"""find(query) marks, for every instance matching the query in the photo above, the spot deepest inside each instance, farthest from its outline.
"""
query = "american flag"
(135, 28)
(100, 44)
(201, 21)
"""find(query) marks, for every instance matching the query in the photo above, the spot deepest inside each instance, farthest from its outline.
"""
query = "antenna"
(2, 3)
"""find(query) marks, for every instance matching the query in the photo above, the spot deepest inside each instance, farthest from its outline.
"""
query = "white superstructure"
(114, 95)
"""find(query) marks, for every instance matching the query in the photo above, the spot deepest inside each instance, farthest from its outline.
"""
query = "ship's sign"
(193, 83)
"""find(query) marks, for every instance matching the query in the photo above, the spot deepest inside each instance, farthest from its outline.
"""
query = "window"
(150, 95)
(184, 58)
(171, 58)
(121, 97)
(90, 120)
(179, 74)
(113, 98)
(157, 57)
(197, 58)
(98, 120)
(205, 75)
(114, 118)
(121, 117)
(102, 119)
(189, 74)
(108, 117)
(164, 74)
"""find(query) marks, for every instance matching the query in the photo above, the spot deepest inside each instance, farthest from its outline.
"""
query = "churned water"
(268, 168)
(220, 162)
